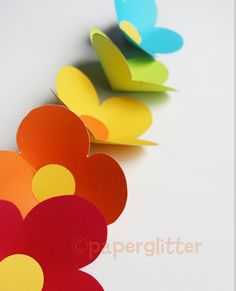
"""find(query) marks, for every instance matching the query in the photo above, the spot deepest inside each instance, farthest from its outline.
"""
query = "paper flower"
(137, 20)
(62, 235)
(117, 120)
(140, 74)
(53, 161)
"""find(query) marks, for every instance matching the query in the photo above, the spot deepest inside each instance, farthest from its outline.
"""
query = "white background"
(184, 187)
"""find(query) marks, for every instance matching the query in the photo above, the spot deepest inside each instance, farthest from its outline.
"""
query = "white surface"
(184, 187)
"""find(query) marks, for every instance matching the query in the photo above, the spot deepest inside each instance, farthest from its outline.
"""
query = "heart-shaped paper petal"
(137, 20)
(125, 119)
(136, 75)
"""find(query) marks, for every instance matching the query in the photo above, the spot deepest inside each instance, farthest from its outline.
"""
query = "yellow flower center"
(52, 181)
(131, 31)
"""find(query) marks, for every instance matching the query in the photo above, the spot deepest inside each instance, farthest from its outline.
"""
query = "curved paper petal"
(102, 181)
(53, 135)
(125, 75)
(137, 20)
(72, 281)
(15, 181)
(141, 13)
(146, 68)
(64, 234)
(10, 223)
(125, 118)
(161, 40)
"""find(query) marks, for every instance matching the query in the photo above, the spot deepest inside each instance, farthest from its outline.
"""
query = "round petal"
(161, 40)
(16, 181)
(64, 234)
(72, 281)
(52, 134)
(102, 181)
(141, 13)
(10, 223)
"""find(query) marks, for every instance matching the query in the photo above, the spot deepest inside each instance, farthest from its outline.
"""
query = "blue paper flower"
(137, 19)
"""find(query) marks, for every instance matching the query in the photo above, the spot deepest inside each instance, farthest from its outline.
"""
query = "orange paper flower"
(53, 161)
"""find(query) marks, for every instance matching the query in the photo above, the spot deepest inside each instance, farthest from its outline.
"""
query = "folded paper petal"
(141, 13)
(146, 68)
(53, 161)
(16, 181)
(125, 119)
(142, 74)
(137, 20)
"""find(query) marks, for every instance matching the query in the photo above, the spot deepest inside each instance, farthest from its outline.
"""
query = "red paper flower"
(48, 235)
(53, 161)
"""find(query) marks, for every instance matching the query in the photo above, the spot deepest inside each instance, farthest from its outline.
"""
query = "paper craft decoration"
(53, 161)
(63, 234)
(20, 273)
(118, 120)
(141, 74)
(137, 20)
